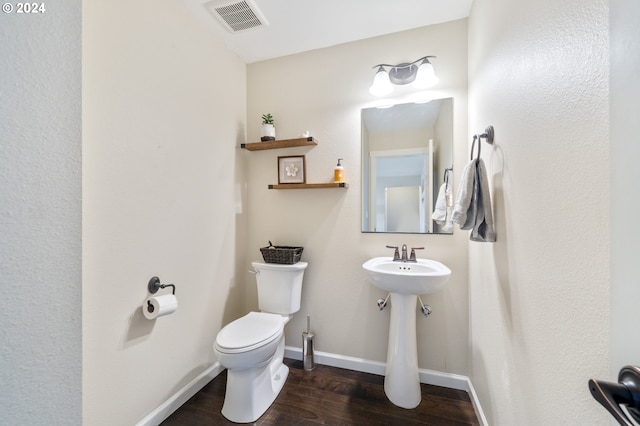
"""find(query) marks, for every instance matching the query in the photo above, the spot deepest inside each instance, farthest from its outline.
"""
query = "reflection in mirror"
(406, 151)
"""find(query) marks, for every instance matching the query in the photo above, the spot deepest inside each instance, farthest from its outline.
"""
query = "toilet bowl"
(251, 348)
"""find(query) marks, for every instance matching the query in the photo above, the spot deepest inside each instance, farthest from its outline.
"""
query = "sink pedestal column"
(402, 382)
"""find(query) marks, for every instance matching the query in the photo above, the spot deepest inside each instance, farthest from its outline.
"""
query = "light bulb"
(381, 84)
(426, 76)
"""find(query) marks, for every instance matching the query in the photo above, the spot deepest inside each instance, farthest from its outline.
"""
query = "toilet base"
(250, 392)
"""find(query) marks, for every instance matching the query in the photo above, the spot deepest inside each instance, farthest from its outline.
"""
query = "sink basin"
(421, 277)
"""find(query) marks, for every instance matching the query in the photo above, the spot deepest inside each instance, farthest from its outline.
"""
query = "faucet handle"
(396, 254)
(412, 257)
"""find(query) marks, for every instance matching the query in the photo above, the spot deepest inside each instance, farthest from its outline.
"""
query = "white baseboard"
(430, 377)
(161, 413)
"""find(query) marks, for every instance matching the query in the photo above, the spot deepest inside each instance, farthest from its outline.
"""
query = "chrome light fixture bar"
(422, 76)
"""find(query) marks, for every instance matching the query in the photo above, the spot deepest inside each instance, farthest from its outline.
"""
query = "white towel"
(443, 211)
(440, 211)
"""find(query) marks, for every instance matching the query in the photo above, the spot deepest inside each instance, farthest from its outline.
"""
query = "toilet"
(251, 348)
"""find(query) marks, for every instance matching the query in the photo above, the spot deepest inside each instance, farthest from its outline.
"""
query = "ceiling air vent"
(237, 16)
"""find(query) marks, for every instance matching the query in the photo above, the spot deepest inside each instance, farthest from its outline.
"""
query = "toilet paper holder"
(154, 286)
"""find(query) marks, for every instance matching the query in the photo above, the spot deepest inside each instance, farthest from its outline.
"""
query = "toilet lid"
(250, 330)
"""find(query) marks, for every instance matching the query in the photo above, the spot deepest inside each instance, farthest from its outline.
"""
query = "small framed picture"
(291, 169)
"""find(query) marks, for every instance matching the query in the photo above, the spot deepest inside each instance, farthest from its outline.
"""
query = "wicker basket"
(285, 255)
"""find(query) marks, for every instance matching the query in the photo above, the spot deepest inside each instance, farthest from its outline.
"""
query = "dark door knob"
(613, 396)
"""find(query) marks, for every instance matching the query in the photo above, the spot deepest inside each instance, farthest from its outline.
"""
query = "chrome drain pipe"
(426, 309)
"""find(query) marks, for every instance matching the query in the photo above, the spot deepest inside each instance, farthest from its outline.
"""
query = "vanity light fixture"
(422, 76)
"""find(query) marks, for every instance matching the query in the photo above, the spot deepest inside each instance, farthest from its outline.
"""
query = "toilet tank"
(279, 287)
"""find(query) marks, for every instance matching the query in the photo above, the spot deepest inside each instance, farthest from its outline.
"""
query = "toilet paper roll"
(158, 306)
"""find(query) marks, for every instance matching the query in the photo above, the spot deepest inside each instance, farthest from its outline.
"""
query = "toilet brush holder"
(307, 347)
(307, 351)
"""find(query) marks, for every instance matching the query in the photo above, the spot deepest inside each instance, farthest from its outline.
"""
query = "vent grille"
(237, 16)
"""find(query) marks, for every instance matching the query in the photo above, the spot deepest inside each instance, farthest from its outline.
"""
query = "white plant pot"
(268, 133)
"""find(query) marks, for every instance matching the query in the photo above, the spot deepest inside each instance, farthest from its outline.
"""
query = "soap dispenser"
(338, 172)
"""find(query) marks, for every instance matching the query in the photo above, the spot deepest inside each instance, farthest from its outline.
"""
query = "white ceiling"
(300, 25)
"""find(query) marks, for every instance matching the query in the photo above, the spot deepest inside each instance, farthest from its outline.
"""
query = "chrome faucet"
(405, 258)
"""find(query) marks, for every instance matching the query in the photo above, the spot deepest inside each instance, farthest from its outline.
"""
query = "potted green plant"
(268, 132)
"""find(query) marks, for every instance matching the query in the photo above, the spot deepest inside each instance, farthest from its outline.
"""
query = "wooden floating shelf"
(283, 143)
(309, 185)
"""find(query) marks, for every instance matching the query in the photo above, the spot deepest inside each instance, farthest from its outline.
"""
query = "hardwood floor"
(332, 396)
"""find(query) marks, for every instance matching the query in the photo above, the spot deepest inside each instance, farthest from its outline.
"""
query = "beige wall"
(444, 151)
(163, 112)
(409, 138)
(538, 72)
(323, 91)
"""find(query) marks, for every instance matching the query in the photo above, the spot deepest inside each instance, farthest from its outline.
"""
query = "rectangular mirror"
(407, 159)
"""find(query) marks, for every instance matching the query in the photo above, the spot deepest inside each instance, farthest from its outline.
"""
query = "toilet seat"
(252, 331)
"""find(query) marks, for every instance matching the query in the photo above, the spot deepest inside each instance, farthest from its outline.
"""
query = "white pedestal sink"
(405, 281)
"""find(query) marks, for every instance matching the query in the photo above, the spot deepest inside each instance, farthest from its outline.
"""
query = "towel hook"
(488, 135)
